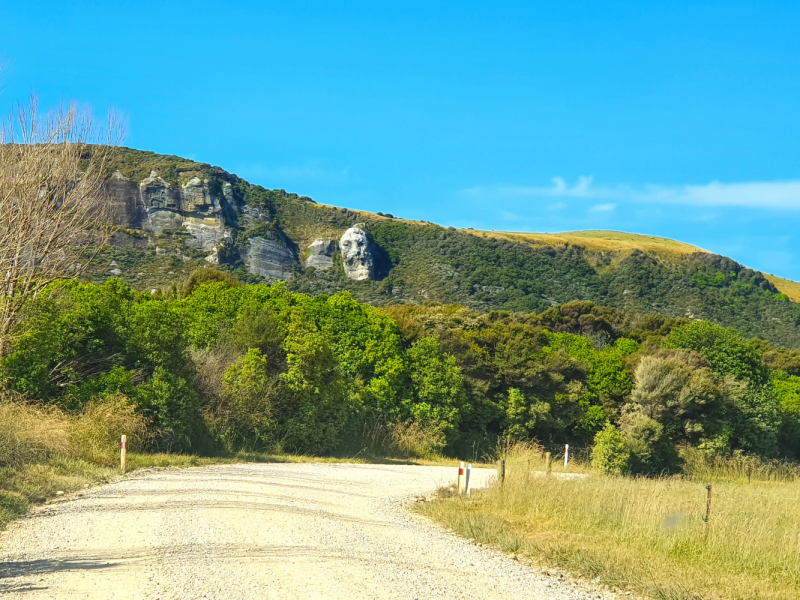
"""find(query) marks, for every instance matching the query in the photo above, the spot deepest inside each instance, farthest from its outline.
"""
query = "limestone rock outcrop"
(270, 256)
(358, 254)
(153, 206)
(321, 256)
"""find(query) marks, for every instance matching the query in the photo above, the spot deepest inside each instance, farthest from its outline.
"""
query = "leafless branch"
(54, 216)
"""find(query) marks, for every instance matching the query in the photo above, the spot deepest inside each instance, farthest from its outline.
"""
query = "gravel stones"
(262, 531)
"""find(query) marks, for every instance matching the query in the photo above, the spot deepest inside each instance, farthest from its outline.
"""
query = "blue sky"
(677, 119)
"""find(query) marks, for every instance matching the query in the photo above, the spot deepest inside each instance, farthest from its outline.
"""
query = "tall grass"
(44, 450)
(645, 534)
(702, 467)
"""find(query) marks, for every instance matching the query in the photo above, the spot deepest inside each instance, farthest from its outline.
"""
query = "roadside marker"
(467, 476)
(123, 449)
(461, 479)
(566, 455)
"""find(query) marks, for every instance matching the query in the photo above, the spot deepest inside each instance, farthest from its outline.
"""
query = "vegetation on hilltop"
(422, 262)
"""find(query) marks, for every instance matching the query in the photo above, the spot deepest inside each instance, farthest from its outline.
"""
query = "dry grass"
(94, 434)
(647, 535)
(35, 434)
(413, 440)
(785, 286)
(605, 241)
(44, 450)
(31, 434)
(701, 468)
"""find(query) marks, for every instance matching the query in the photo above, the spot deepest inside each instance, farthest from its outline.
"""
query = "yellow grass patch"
(647, 535)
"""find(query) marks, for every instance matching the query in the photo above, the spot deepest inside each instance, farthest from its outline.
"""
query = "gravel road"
(262, 531)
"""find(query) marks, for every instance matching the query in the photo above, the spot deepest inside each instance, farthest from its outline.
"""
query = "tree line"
(221, 366)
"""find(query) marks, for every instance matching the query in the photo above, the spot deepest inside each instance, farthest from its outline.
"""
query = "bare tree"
(54, 216)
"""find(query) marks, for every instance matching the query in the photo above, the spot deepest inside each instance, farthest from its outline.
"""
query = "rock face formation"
(269, 256)
(321, 256)
(153, 206)
(222, 229)
(358, 255)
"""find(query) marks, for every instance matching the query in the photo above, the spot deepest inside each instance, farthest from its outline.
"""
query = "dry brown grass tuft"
(94, 434)
(31, 434)
(414, 440)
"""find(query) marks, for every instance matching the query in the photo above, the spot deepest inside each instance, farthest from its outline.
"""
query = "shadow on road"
(35, 568)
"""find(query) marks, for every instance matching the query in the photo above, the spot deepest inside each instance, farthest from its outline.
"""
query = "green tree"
(313, 409)
(174, 407)
(438, 387)
(243, 416)
(787, 392)
(724, 348)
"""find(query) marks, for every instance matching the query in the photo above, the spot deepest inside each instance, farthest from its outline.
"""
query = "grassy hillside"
(623, 244)
(601, 241)
(423, 262)
(786, 286)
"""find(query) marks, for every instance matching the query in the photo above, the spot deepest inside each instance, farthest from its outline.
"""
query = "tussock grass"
(414, 440)
(644, 534)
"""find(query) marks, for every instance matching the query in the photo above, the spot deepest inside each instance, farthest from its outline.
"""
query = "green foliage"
(258, 367)
(787, 392)
(439, 394)
(610, 453)
(724, 348)
(244, 416)
(206, 275)
(676, 401)
(173, 405)
(315, 406)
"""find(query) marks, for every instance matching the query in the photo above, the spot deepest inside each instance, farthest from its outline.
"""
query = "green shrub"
(243, 415)
(610, 453)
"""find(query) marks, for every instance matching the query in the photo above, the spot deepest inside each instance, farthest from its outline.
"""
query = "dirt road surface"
(261, 531)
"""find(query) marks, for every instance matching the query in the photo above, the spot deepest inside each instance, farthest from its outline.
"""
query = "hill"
(179, 214)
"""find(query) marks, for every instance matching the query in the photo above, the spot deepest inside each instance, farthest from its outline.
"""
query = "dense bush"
(260, 367)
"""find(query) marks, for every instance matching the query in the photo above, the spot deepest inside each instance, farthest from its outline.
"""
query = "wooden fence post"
(548, 462)
(501, 471)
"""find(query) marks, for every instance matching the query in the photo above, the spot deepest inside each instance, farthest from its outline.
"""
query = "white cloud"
(600, 208)
(752, 194)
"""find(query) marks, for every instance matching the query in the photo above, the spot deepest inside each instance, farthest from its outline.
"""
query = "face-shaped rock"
(357, 254)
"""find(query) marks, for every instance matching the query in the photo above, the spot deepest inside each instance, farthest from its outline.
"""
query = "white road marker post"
(123, 450)
(467, 477)
(461, 479)
(566, 455)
